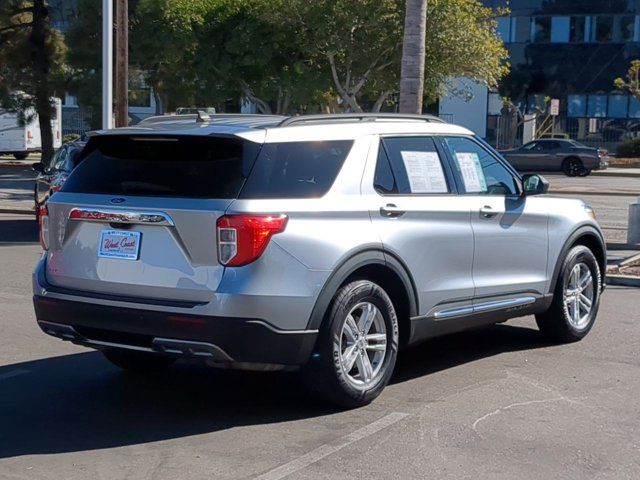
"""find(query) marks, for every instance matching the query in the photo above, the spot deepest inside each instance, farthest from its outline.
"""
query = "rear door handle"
(391, 210)
(487, 212)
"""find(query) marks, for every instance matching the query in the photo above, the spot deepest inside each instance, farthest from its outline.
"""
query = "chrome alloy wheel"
(578, 295)
(363, 345)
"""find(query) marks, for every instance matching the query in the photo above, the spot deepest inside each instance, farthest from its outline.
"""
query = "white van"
(19, 140)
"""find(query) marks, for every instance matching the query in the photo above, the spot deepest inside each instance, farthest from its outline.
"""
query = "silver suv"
(321, 243)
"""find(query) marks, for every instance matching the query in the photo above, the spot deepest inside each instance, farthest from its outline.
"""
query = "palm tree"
(413, 47)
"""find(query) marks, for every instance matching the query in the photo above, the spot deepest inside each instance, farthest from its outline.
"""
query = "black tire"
(584, 172)
(572, 166)
(140, 362)
(324, 374)
(556, 322)
(20, 156)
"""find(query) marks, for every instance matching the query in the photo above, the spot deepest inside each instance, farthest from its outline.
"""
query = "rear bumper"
(228, 341)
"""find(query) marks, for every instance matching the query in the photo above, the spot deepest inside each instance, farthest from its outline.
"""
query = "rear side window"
(296, 169)
(409, 165)
(179, 166)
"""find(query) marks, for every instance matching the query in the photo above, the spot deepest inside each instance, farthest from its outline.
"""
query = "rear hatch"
(137, 216)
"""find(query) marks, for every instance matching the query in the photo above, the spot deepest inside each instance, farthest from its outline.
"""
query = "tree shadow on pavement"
(18, 230)
(80, 402)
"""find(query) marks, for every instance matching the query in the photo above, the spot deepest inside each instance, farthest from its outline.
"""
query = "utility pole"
(122, 63)
(107, 64)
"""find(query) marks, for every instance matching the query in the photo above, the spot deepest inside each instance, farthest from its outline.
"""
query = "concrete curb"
(622, 280)
(623, 246)
(604, 173)
(600, 194)
(17, 211)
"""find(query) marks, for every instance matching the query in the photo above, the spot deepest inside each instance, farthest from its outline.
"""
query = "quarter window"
(409, 165)
(480, 172)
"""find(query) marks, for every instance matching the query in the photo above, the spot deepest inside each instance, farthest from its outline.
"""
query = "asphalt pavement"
(496, 403)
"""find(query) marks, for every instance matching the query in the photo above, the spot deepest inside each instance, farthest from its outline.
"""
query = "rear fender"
(347, 267)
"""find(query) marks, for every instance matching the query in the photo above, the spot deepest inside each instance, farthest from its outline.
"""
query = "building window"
(577, 105)
(522, 31)
(626, 28)
(603, 31)
(597, 106)
(634, 107)
(560, 27)
(577, 29)
(504, 28)
(618, 106)
(541, 29)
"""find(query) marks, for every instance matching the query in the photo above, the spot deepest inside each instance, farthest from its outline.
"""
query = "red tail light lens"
(43, 227)
(243, 238)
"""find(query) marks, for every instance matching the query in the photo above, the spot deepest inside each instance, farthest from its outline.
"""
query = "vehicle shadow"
(80, 402)
(18, 230)
(457, 349)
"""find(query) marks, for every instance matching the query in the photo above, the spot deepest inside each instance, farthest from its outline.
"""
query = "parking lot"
(493, 403)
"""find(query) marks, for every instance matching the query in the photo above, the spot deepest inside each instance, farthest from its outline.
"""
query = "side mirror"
(38, 167)
(534, 184)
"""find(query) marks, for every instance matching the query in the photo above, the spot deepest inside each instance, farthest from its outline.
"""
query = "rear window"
(178, 166)
(296, 169)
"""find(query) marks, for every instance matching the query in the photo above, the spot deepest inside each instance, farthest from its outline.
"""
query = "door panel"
(510, 245)
(510, 230)
(430, 233)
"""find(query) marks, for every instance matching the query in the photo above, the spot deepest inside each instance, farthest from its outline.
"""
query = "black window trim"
(490, 150)
(452, 186)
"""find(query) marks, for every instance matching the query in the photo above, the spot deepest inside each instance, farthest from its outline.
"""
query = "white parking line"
(12, 373)
(327, 449)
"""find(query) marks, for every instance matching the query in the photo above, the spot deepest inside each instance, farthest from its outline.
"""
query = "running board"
(508, 304)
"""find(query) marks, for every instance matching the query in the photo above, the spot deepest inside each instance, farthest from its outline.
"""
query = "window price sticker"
(471, 170)
(424, 172)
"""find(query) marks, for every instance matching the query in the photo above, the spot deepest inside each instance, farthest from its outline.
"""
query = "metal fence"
(76, 120)
(506, 131)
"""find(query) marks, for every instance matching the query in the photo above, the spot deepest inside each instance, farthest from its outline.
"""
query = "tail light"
(243, 238)
(602, 152)
(43, 227)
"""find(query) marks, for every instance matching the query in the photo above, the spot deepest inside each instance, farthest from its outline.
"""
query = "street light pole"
(107, 64)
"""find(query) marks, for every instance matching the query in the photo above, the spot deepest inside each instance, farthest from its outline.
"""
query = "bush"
(629, 148)
(70, 137)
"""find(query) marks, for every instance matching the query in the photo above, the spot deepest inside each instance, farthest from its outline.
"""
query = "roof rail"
(203, 117)
(359, 117)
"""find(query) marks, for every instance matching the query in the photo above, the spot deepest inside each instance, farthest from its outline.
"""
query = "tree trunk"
(122, 63)
(413, 51)
(40, 59)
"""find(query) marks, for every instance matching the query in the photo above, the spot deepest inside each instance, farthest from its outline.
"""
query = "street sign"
(555, 107)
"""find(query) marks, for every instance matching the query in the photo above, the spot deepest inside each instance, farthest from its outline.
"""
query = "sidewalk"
(16, 185)
(617, 172)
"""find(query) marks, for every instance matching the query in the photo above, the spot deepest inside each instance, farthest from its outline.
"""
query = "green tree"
(245, 50)
(631, 83)
(164, 43)
(32, 64)
(359, 42)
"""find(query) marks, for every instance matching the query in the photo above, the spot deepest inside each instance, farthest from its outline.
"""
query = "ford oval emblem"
(118, 200)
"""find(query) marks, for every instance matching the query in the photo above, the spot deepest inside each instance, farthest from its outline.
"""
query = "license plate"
(119, 244)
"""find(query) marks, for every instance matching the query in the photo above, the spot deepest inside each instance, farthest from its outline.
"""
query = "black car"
(53, 174)
(556, 154)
